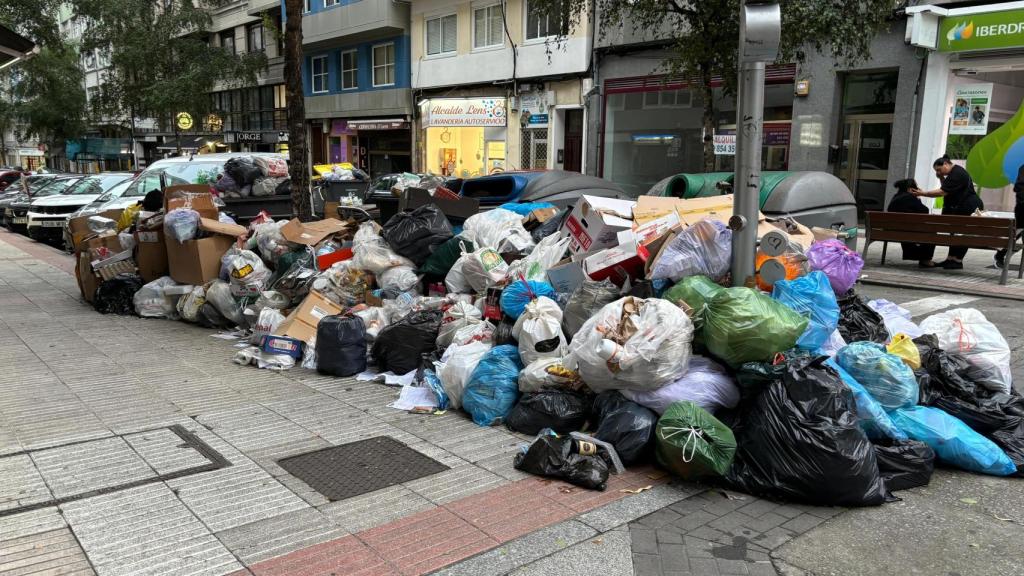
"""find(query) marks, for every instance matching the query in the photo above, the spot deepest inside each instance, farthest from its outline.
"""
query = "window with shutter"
(441, 35)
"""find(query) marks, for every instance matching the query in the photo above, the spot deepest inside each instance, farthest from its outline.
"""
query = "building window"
(90, 60)
(541, 25)
(329, 3)
(349, 69)
(384, 64)
(227, 41)
(255, 36)
(488, 26)
(306, 6)
(441, 35)
(319, 73)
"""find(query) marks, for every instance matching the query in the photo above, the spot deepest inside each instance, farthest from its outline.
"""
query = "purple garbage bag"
(839, 263)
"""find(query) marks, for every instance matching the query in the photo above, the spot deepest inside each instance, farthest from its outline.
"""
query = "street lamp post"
(760, 30)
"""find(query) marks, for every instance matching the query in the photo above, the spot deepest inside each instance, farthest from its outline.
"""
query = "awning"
(14, 47)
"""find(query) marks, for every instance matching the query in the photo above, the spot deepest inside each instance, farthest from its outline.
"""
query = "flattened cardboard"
(802, 235)
(302, 322)
(566, 276)
(197, 262)
(214, 226)
(79, 227)
(311, 233)
(689, 211)
(194, 196)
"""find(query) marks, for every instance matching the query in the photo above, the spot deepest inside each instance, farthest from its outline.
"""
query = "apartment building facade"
(494, 90)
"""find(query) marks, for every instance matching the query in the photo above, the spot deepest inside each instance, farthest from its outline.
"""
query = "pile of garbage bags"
(792, 387)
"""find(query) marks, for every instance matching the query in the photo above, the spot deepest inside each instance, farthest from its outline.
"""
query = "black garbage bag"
(295, 280)
(904, 463)
(341, 345)
(563, 411)
(503, 332)
(242, 170)
(210, 317)
(417, 234)
(440, 262)
(626, 425)
(284, 187)
(858, 322)
(800, 440)
(754, 377)
(549, 226)
(398, 347)
(558, 457)
(951, 383)
(115, 296)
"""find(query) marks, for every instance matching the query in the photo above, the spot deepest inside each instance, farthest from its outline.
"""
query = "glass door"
(864, 158)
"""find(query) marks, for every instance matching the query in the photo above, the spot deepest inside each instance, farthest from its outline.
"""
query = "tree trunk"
(707, 95)
(297, 149)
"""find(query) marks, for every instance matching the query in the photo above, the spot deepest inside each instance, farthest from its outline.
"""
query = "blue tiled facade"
(365, 65)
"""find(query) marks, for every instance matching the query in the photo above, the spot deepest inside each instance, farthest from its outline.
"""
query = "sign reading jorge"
(986, 31)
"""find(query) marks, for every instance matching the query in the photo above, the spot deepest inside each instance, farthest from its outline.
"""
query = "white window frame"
(355, 70)
(374, 65)
(313, 75)
(477, 8)
(329, 3)
(307, 6)
(426, 35)
(526, 30)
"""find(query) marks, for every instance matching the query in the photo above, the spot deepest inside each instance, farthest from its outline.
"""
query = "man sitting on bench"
(957, 189)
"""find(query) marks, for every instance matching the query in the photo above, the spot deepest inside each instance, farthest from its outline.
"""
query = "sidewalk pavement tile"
(511, 511)
(22, 485)
(522, 551)
(347, 555)
(376, 508)
(282, 534)
(31, 522)
(629, 509)
(170, 542)
(165, 451)
(606, 553)
(80, 468)
(52, 552)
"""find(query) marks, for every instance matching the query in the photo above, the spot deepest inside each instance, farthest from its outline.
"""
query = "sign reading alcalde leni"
(985, 31)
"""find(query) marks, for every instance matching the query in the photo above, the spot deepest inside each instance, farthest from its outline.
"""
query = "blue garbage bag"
(885, 376)
(517, 295)
(434, 383)
(811, 296)
(493, 387)
(953, 441)
(525, 208)
(873, 418)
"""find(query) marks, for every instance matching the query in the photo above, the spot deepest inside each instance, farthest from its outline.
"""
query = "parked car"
(16, 212)
(23, 185)
(47, 216)
(113, 199)
(204, 169)
(8, 177)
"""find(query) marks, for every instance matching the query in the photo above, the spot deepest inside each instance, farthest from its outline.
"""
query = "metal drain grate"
(349, 470)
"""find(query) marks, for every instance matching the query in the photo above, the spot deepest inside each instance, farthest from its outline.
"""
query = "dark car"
(19, 191)
(378, 191)
(16, 213)
(8, 177)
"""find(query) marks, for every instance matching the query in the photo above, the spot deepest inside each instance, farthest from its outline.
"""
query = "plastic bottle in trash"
(610, 352)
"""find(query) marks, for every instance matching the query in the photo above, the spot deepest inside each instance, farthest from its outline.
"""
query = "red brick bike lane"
(435, 538)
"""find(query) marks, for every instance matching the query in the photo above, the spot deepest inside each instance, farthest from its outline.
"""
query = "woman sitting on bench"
(906, 202)
(960, 200)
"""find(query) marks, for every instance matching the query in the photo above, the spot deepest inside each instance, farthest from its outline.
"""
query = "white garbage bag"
(482, 268)
(897, 319)
(704, 248)
(400, 278)
(189, 304)
(478, 332)
(545, 373)
(218, 293)
(966, 331)
(535, 265)
(632, 344)
(539, 331)
(706, 384)
(247, 273)
(377, 257)
(455, 280)
(374, 320)
(151, 301)
(499, 229)
(460, 315)
(265, 325)
(456, 365)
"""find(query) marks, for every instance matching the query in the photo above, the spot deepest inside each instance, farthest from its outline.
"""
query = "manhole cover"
(349, 470)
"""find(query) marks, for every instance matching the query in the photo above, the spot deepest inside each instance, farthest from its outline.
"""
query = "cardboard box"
(302, 322)
(539, 216)
(79, 227)
(311, 233)
(196, 262)
(689, 211)
(566, 276)
(594, 223)
(331, 210)
(618, 263)
(652, 234)
(194, 196)
(151, 254)
(415, 197)
(796, 231)
(87, 278)
(121, 267)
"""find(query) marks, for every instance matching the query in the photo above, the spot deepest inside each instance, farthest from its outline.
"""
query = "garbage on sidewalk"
(609, 332)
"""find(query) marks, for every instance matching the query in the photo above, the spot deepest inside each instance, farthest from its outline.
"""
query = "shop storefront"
(464, 137)
(375, 145)
(652, 127)
(973, 94)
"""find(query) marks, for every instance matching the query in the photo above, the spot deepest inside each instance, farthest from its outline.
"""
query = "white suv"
(47, 216)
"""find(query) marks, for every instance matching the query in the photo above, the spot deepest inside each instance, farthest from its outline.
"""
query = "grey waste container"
(814, 199)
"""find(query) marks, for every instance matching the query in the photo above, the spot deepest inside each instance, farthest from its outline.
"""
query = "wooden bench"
(940, 230)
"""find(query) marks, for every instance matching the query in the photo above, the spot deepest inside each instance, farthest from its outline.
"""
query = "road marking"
(935, 303)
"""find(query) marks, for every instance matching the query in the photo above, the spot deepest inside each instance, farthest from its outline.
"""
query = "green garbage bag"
(444, 257)
(693, 444)
(745, 325)
(695, 292)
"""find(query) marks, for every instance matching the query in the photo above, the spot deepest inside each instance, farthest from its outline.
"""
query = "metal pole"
(760, 31)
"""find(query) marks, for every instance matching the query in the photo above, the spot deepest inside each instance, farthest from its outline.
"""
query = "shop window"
(254, 33)
(441, 35)
(384, 64)
(539, 26)
(227, 41)
(488, 26)
(870, 93)
(534, 149)
(318, 64)
(349, 69)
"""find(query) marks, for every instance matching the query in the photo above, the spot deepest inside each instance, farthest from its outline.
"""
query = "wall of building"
(817, 120)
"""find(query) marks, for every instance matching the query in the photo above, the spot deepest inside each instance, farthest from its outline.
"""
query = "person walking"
(1018, 213)
(959, 199)
(906, 202)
